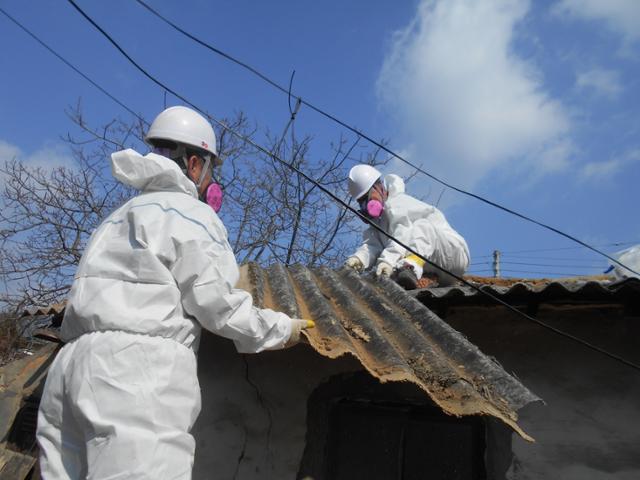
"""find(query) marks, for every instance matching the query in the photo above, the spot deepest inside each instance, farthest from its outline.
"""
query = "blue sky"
(532, 104)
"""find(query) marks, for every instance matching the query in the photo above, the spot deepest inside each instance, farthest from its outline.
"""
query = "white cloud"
(463, 101)
(622, 16)
(555, 158)
(8, 151)
(603, 82)
(47, 157)
(607, 169)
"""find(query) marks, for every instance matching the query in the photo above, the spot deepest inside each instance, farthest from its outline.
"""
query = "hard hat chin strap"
(181, 152)
(205, 168)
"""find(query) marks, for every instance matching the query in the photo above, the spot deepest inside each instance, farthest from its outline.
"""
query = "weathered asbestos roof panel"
(54, 309)
(394, 336)
(578, 289)
(19, 380)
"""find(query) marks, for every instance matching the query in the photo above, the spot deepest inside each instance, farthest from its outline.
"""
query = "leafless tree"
(46, 218)
(279, 217)
(272, 214)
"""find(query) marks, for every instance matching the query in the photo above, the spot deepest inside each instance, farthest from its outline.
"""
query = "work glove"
(384, 270)
(297, 325)
(355, 263)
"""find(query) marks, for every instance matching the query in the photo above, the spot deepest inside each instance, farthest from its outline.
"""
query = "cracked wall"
(254, 407)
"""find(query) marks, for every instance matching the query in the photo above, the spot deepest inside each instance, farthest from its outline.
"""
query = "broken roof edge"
(53, 309)
(392, 335)
(510, 420)
(462, 349)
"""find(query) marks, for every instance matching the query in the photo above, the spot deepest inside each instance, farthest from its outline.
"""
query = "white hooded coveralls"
(418, 225)
(122, 394)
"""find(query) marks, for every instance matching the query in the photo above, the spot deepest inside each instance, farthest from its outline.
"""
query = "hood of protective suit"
(394, 184)
(150, 173)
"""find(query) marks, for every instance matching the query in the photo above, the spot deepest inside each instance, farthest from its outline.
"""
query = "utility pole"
(496, 263)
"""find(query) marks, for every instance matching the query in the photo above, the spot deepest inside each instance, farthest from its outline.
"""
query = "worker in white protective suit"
(420, 226)
(122, 394)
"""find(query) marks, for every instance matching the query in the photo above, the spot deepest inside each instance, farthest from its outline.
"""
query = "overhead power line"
(131, 111)
(550, 265)
(559, 259)
(514, 253)
(70, 65)
(101, 89)
(502, 262)
(341, 202)
(531, 272)
(614, 244)
(353, 129)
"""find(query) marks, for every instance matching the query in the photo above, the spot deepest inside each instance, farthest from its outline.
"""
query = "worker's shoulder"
(403, 198)
(169, 202)
(181, 210)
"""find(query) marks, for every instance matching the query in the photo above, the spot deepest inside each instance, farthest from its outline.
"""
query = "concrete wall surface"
(253, 419)
(253, 423)
(589, 428)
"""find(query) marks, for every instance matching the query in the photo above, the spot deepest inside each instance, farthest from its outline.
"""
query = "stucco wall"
(253, 419)
(254, 422)
(589, 428)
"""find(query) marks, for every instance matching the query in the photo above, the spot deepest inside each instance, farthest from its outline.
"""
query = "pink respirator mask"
(371, 208)
(372, 204)
(212, 196)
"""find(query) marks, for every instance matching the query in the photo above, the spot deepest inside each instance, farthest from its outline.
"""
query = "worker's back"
(125, 279)
(400, 207)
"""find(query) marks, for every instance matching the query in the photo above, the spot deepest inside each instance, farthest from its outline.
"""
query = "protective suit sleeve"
(370, 249)
(206, 273)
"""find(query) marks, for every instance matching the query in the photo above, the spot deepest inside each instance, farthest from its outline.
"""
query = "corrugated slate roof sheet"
(577, 288)
(393, 335)
(48, 310)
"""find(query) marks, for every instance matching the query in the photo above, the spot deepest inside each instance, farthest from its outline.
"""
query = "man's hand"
(384, 270)
(354, 263)
(297, 325)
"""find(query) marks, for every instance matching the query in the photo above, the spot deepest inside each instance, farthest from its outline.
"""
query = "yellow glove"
(384, 270)
(297, 325)
(354, 263)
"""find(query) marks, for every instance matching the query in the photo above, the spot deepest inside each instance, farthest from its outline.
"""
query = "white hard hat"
(185, 126)
(361, 179)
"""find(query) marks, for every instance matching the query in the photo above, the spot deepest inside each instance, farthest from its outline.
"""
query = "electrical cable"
(371, 140)
(101, 89)
(70, 65)
(345, 205)
(514, 253)
(503, 270)
(131, 111)
(112, 97)
(549, 265)
(615, 244)
(559, 259)
(142, 119)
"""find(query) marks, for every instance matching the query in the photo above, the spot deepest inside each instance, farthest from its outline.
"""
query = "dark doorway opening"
(402, 442)
(358, 428)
